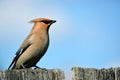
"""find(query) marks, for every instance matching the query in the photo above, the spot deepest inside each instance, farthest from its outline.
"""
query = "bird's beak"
(53, 21)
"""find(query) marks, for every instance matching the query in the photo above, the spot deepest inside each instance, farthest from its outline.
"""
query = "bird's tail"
(12, 68)
(12, 64)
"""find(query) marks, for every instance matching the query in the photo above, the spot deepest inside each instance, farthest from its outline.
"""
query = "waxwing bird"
(34, 46)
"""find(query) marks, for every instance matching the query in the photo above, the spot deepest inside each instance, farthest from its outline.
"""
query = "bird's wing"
(21, 50)
(17, 55)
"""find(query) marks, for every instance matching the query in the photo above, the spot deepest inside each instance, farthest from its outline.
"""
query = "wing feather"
(17, 55)
(20, 51)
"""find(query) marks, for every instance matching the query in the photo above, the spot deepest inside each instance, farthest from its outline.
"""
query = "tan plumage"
(34, 46)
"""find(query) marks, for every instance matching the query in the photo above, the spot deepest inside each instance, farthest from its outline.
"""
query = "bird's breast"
(40, 43)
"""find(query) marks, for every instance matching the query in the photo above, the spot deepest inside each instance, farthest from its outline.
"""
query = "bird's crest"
(39, 20)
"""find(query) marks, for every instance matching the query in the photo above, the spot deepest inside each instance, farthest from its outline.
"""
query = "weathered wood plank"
(30, 74)
(95, 74)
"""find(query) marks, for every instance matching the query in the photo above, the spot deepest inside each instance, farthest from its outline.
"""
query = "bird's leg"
(36, 67)
(23, 66)
(40, 68)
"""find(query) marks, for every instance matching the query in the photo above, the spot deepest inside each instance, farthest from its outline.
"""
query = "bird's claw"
(36, 67)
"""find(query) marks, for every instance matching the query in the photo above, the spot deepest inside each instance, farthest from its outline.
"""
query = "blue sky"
(86, 34)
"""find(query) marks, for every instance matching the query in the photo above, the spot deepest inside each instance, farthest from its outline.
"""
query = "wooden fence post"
(95, 74)
(30, 74)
